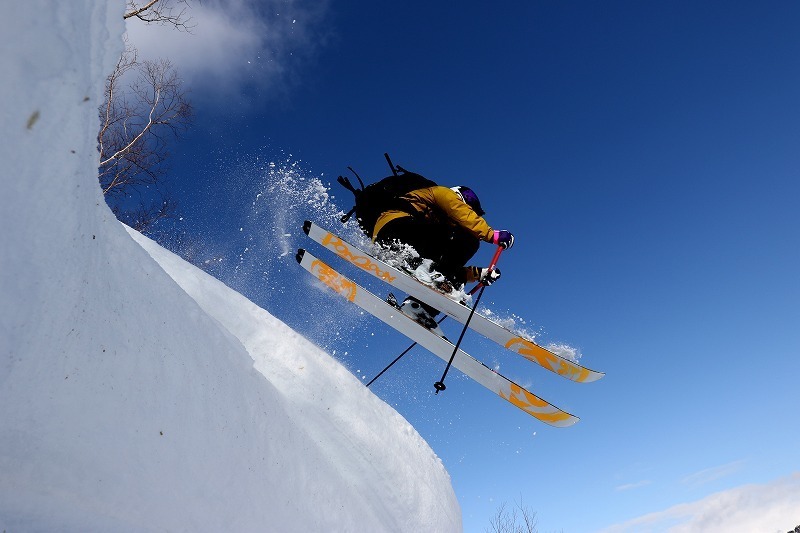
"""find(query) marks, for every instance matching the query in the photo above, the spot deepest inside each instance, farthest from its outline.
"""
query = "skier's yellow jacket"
(441, 205)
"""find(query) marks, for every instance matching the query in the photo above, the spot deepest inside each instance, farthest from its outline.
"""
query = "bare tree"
(160, 12)
(145, 107)
(509, 521)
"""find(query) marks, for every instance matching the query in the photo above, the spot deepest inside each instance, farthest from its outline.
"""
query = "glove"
(489, 276)
(503, 238)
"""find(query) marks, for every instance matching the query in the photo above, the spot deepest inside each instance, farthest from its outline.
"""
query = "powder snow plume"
(518, 325)
(265, 196)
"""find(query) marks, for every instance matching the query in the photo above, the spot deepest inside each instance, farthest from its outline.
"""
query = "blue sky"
(645, 155)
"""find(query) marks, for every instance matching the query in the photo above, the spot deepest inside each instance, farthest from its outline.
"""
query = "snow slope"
(141, 394)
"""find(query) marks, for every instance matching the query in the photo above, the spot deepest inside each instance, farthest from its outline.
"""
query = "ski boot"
(423, 314)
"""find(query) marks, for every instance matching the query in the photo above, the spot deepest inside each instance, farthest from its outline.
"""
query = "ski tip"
(307, 226)
(565, 423)
(587, 375)
(299, 255)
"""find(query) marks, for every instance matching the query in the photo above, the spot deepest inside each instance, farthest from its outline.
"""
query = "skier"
(444, 225)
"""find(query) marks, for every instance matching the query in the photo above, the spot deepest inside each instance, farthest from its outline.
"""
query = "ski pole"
(439, 385)
(398, 358)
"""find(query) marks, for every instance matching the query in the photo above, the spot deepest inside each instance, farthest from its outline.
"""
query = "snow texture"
(138, 393)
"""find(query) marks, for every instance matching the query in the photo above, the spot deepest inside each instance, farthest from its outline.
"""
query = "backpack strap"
(395, 168)
(344, 218)
(345, 182)
(391, 165)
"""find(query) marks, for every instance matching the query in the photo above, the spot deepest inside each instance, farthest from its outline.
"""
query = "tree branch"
(138, 137)
(137, 12)
(159, 12)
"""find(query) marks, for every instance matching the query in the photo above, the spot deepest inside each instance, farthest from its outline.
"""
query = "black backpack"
(374, 199)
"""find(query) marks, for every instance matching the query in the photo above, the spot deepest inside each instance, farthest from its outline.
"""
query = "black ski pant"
(449, 247)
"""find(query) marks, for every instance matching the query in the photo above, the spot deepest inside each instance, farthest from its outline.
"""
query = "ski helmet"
(469, 197)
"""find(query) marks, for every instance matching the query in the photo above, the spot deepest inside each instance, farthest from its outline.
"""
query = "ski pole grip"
(495, 259)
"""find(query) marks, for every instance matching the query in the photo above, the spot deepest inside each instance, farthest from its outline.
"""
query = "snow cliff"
(136, 392)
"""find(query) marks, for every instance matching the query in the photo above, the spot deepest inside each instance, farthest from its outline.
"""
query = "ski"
(525, 347)
(439, 346)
